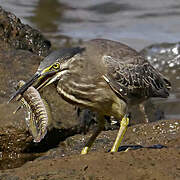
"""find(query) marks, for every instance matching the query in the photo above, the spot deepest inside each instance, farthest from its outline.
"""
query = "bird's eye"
(56, 66)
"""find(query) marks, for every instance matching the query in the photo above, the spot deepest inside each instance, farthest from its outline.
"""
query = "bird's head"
(50, 69)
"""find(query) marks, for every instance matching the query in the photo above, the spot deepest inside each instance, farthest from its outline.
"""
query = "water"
(137, 23)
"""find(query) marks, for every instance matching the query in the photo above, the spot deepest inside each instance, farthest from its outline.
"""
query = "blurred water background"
(137, 23)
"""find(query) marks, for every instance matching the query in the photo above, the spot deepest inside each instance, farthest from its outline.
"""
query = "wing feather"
(135, 80)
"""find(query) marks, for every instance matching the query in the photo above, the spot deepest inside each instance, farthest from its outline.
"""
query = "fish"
(37, 112)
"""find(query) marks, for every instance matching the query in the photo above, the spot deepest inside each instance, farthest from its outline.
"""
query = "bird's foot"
(127, 149)
(85, 150)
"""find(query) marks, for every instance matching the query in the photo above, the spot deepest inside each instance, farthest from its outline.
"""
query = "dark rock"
(22, 36)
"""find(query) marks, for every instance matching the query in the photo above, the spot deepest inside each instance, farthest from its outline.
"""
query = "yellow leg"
(120, 135)
(93, 137)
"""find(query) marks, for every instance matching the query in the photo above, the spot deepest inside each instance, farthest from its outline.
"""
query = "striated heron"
(102, 75)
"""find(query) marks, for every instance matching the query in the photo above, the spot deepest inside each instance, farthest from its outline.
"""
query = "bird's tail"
(164, 92)
(168, 84)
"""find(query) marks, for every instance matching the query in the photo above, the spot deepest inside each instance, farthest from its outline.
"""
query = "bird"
(105, 76)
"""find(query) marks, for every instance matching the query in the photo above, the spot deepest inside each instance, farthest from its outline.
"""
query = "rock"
(22, 36)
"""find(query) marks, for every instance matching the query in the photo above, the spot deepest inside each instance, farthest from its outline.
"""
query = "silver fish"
(37, 113)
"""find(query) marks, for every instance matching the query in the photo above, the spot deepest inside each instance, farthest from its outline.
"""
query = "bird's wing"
(138, 80)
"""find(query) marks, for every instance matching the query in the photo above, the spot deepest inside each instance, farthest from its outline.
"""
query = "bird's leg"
(120, 135)
(99, 128)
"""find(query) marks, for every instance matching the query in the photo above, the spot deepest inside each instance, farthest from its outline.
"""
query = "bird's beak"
(39, 80)
(25, 86)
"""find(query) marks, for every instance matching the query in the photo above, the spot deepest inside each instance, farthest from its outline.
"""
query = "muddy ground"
(154, 153)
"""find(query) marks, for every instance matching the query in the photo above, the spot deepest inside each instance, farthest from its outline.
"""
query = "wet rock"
(22, 36)
(165, 57)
